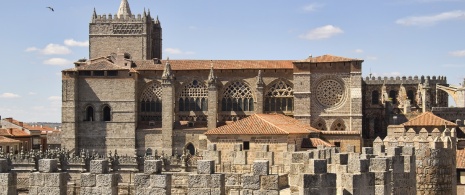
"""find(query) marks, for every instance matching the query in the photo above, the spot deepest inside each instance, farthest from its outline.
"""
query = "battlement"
(122, 19)
(404, 80)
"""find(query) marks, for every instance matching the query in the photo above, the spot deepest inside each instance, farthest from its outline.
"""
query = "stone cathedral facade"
(126, 97)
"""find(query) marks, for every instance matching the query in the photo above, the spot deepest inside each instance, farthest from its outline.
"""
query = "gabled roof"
(217, 64)
(428, 119)
(264, 124)
(4, 139)
(13, 132)
(330, 58)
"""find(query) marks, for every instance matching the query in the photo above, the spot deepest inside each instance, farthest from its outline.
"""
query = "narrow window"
(223, 105)
(337, 144)
(112, 73)
(181, 104)
(375, 97)
(99, 73)
(290, 105)
(246, 104)
(89, 113)
(267, 104)
(246, 145)
(106, 113)
(204, 104)
(410, 96)
(186, 104)
(250, 104)
(393, 96)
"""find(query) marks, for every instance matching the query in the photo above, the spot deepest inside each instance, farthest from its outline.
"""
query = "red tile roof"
(13, 132)
(340, 132)
(329, 58)
(460, 158)
(428, 119)
(4, 139)
(314, 142)
(264, 124)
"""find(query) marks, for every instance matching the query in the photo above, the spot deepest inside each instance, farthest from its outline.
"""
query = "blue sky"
(395, 38)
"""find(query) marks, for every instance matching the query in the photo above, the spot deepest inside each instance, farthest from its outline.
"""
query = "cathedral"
(126, 97)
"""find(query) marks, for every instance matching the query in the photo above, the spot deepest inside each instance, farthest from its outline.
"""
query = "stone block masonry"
(99, 181)
(48, 180)
(7, 179)
(206, 181)
(152, 181)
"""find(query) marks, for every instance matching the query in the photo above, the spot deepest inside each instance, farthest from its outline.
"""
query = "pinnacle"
(124, 9)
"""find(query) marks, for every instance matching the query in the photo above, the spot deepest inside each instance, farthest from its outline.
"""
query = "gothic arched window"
(338, 125)
(89, 114)
(150, 103)
(411, 96)
(375, 97)
(393, 96)
(237, 97)
(279, 97)
(319, 124)
(106, 113)
(194, 97)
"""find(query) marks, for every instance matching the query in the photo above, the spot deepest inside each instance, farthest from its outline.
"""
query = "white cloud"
(358, 51)
(312, 7)
(54, 98)
(57, 62)
(9, 95)
(460, 53)
(30, 49)
(55, 49)
(32, 93)
(73, 43)
(177, 51)
(431, 19)
(323, 32)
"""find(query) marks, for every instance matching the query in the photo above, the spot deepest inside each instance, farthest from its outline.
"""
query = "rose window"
(329, 92)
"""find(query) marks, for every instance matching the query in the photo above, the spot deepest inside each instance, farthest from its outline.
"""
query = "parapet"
(404, 80)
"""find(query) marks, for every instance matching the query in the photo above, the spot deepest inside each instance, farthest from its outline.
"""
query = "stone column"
(302, 92)
(425, 93)
(259, 93)
(212, 100)
(167, 109)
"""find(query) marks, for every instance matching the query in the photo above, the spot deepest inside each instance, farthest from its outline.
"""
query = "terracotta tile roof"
(217, 64)
(13, 132)
(329, 58)
(340, 132)
(314, 142)
(428, 119)
(264, 124)
(460, 158)
(4, 139)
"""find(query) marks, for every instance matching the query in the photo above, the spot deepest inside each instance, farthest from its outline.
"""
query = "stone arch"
(106, 112)
(89, 113)
(279, 96)
(237, 96)
(320, 124)
(193, 96)
(150, 102)
(338, 125)
(189, 147)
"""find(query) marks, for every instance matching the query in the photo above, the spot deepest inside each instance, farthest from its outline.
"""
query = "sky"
(394, 38)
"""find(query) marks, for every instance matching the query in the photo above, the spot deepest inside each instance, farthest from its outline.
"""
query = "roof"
(340, 132)
(314, 142)
(13, 132)
(460, 158)
(330, 58)
(4, 139)
(428, 119)
(264, 124)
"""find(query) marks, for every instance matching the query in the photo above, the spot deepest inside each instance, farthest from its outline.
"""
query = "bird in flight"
(51, 8)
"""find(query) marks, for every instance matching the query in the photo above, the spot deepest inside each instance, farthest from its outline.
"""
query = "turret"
(124, 10)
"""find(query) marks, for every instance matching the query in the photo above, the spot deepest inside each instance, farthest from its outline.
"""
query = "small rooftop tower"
(124, 10)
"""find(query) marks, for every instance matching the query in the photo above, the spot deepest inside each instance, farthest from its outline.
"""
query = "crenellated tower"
(140, 36)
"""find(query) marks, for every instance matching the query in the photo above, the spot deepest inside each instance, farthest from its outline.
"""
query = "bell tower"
(140, 36)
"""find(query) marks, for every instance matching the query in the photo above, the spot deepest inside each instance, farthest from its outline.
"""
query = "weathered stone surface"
(107, 180)
(379, 164)
(141, 180)
(48, 165)
(152, 166)
(316, 166)
(198, 191)
(261, 167)
(265, 192)
(160, 181)
(55, 180)
(205, 167)
(36, 179)
(211, 147)
(269, 182)
(340, 158)
(88, 180)
(4, 167)
(251, 182)
(199, 181)
(99, 166)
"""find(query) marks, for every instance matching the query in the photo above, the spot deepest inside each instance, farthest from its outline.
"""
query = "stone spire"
(94, 15)
(211, 77)
(124, 10)
(167, 73)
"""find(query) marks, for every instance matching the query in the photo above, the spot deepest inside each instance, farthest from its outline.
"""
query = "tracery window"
(237, 97)
(375, 97)
(150, 103)
(320, 124)
(279, 97)
(338, 125)
(194, 97)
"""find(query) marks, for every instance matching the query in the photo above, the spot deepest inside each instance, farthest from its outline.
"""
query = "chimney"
(11, 131)
(20, 123)
(9, 119)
